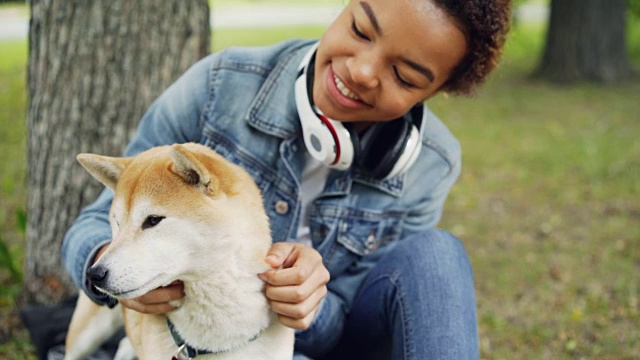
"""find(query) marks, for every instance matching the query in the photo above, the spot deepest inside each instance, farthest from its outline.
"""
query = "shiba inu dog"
(182, 212)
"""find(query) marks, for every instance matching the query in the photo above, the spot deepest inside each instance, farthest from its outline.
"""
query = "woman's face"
(379, 58)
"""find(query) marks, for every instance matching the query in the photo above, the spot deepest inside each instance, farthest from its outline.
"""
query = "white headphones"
(326, 140)
(384, 150)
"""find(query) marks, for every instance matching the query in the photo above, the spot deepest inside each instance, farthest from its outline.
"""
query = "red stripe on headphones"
(334, 134)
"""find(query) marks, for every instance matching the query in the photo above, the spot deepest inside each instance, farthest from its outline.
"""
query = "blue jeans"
(418, 302)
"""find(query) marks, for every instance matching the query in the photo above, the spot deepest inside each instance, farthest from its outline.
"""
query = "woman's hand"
(296, 283)
(156, 301)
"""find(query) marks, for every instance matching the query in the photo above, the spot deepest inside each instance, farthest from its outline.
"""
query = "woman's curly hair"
(485, 24)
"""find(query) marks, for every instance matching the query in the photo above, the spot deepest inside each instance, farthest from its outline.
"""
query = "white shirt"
(314, 177)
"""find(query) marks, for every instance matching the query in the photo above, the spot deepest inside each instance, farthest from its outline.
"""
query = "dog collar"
(188, 352)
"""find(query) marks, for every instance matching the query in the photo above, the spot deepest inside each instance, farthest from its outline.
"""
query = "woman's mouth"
(343, 89)
(341, 94)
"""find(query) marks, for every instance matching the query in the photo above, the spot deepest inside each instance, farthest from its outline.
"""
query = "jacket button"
(370, 243)
(282, 207)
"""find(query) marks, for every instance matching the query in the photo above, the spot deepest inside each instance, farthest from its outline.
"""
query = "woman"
(329, 135)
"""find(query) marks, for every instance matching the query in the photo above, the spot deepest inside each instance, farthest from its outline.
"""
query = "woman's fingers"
(156, 301)
(287, 288)
(300, 264)
(296, 284)
(161, 308)
(299, 315)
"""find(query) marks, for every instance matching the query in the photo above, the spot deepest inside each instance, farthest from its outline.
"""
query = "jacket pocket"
(344, 236)
(363, 236)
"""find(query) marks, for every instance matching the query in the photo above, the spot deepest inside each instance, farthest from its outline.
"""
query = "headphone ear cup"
(382, 145)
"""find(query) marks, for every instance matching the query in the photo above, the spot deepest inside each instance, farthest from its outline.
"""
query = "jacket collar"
(266, 112)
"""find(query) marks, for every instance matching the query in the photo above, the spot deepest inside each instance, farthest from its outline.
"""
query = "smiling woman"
(356, 250)
(549, 179)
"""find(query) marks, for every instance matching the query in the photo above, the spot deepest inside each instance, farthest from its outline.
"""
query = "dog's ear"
(189, 168)
(105, 169)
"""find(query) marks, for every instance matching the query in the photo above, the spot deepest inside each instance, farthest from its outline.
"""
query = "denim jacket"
(240, 102)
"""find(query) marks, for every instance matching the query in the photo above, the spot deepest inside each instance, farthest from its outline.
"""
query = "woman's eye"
(358, 32)
(151, 221)
(402, 81)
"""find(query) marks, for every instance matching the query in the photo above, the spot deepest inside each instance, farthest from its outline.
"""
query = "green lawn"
(547, 204)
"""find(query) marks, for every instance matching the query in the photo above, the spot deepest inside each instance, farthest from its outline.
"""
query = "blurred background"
(548, 202)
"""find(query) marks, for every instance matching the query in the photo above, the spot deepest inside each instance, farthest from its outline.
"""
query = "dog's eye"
(151, 221)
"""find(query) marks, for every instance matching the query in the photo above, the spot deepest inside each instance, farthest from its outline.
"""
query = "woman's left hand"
(296, 284)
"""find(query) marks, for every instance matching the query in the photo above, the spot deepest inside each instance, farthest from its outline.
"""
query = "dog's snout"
(97, 275)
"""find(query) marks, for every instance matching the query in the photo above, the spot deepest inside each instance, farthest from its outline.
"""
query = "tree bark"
(586, 41)
(94, 68)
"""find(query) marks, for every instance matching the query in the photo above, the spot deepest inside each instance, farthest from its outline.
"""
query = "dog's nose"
(97, 275)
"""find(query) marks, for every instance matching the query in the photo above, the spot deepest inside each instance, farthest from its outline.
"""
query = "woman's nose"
(363, 70)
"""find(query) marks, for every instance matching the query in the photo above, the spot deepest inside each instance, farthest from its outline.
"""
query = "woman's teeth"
(344, 90)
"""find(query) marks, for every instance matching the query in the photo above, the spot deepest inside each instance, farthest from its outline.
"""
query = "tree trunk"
(586, 41)
(94, 68)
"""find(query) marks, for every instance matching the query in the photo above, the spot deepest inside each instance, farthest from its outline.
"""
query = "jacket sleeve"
(175, 117)
(426, 215)
(431, 181)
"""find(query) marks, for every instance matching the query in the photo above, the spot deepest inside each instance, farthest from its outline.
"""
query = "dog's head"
(179, 212)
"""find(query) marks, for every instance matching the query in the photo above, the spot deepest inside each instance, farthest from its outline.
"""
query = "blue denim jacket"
(240, 102)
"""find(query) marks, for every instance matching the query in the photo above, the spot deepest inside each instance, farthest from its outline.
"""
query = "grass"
(13, 150)
(547, 203)
(14, 341)
(223, 38)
